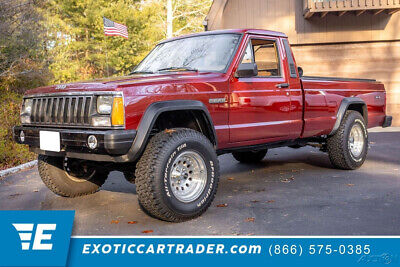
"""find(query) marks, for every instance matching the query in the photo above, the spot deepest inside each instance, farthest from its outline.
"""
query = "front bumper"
(111, 143)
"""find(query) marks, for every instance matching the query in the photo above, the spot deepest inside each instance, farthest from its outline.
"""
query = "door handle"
(282, 85)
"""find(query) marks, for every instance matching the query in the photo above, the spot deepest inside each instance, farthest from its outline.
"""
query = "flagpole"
(108, 73)
(105, 40)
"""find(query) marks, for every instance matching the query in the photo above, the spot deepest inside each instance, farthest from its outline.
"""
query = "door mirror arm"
(300, 70)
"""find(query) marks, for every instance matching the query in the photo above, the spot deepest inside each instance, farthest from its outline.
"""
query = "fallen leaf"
(231, 178)
(222, 205)
(147, 231)
(254, 201)
(169, 131)
(250, 219)
(132, 222)
(14, 195)
(350, 184)
(114, 222)
(270, 201)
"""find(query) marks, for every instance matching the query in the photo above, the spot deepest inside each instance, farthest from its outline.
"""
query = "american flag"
(112, 28)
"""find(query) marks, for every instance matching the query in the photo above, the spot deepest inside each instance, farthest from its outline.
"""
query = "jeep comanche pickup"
(192, 98)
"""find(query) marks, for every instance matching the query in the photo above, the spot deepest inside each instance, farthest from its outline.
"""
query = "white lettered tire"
(177, 175)
(348, 147)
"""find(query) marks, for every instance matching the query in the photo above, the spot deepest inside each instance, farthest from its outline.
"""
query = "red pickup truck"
(192, 98)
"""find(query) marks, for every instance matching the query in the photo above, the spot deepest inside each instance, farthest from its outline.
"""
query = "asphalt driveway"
(291, 192)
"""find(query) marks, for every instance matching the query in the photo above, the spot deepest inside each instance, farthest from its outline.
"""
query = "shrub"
(11, 153)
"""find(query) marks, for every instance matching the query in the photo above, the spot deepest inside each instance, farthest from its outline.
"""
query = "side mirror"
(246, 70)
(300, 70)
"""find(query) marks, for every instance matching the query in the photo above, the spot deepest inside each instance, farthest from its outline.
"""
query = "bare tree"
(183, 15)
(21, 44)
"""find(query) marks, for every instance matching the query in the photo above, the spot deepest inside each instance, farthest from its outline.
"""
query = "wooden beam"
(323, 14)
(308, 14)
(378, 12)
(360, 12)
(392, 11)
(341, 13)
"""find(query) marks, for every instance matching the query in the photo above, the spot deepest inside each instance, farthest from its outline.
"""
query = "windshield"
(199, 53)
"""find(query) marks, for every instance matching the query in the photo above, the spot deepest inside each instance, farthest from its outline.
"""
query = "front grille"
(62, 110)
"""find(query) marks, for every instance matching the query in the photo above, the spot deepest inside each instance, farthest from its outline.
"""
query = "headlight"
(26, 111)
(104, 104)
(27, 106)
(113, 106)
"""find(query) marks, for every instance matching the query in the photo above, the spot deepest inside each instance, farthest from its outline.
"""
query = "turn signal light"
(117, 115)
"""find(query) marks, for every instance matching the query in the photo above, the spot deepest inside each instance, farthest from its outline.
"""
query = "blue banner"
(257, 251)
(42, 238)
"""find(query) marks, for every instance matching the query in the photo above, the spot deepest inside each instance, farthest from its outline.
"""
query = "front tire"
(250, 156)
(70, 177)
(177, 175)
(348, 147)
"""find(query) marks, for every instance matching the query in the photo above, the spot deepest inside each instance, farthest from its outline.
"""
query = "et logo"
(25, 231)
(35, 237)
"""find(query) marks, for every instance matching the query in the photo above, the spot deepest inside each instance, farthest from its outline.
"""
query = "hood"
(119, 83)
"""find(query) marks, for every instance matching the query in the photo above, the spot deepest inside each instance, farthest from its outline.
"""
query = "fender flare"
(149, 118)
(344, 106)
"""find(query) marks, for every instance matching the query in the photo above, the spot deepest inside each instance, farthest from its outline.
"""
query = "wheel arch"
(350, 103)
(157, 109)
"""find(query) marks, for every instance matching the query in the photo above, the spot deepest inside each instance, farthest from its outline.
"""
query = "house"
(344, 38)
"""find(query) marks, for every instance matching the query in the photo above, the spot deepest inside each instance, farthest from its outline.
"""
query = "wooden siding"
(287, 16)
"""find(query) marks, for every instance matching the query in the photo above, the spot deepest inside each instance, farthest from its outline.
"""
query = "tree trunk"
(169, 19)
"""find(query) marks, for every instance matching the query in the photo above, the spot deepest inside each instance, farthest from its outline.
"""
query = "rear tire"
(348, 147)
(57, 174)
(177, 175)
(250, 156)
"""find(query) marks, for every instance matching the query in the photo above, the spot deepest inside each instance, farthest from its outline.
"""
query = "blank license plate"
(50, 141)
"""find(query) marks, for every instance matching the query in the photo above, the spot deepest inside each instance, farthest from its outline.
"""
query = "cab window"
(265, 54)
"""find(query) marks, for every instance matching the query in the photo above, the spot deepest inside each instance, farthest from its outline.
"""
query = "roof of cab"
(241, 31)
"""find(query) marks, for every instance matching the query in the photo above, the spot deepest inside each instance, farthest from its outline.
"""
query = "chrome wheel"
(188, 176)
(356, 140)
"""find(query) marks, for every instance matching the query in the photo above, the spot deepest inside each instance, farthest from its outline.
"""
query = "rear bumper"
(387, 122)
(111, 143)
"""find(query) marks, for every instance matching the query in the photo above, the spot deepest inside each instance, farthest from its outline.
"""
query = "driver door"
(260, 105)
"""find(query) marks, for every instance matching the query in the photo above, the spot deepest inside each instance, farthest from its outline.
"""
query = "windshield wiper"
(178, 68)
(141, 72)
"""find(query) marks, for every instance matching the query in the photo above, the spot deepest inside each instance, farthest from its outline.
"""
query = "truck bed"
(336, 79)
(323, 96)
